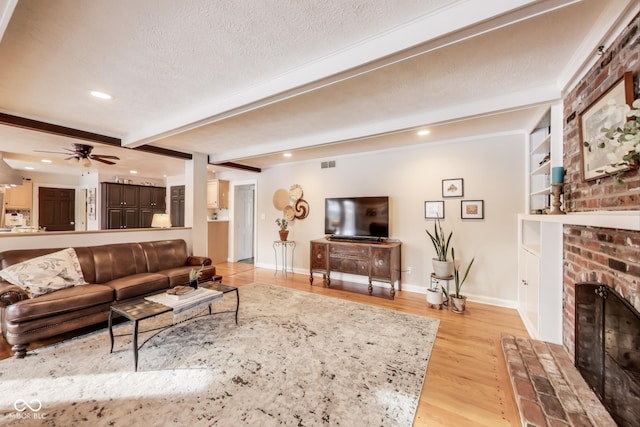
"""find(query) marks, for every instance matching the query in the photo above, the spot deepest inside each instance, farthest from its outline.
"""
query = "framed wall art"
(608, 111)
(434, 210)
(472, 209)
(452, 187)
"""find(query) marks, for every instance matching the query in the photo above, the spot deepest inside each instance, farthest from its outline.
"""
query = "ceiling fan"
(82, 153)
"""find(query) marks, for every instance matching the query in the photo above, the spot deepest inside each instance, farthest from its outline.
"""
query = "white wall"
(492, 171)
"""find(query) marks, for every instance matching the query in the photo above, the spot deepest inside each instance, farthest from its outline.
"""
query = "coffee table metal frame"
(140, 308)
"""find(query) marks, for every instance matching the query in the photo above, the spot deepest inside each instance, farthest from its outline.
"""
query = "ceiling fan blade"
(53, 152)
(73, 157)
(103, 156)
(108, 162)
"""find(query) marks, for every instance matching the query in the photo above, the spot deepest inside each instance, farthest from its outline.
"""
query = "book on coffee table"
(198, 297)
(180, 292)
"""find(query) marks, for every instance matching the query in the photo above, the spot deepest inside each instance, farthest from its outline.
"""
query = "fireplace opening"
(608, 349)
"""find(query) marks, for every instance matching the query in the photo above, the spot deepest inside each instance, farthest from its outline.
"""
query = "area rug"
(295, 359)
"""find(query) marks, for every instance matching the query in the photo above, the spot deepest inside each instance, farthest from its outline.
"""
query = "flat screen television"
(357, 216)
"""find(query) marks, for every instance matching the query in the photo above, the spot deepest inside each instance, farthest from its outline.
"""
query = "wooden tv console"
(378, 261)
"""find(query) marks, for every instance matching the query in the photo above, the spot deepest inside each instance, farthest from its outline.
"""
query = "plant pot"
(442, 269)
(458, 305)
(193, 283)
(283, 235)
(435, 296)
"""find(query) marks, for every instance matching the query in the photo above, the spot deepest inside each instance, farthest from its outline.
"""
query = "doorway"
(56, 209)
(244, 220)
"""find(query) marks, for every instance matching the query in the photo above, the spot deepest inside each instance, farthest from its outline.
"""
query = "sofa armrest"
(197, 261)
(11, 294)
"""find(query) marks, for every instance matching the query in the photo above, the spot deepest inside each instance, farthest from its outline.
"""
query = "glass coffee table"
(142, 308)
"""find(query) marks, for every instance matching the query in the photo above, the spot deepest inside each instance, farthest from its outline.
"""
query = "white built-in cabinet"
(539, 241)
(540, 277)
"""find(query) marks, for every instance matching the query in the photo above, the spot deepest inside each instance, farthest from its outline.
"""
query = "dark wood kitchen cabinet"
(130, 206)
(152, 201)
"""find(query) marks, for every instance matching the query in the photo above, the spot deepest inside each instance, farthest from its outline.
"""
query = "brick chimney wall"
(600, 254)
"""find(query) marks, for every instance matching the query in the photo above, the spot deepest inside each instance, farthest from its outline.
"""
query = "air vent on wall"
(329, 164)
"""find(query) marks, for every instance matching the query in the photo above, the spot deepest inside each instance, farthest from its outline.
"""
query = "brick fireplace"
(599, 241)
(591, 253)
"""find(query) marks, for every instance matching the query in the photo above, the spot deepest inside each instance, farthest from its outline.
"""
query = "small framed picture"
(472, 209)
(434, 210)
(452, 187)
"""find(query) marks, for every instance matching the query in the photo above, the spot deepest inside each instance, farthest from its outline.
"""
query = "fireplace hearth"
(608, 349)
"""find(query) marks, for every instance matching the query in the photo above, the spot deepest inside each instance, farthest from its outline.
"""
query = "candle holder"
(556, 190)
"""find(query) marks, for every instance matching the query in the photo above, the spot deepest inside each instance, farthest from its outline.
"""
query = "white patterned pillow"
(47, 273)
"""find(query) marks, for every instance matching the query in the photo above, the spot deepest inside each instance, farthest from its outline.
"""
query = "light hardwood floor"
(467, 382)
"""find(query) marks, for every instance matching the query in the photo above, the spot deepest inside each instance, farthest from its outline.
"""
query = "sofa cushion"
(46, 273)
(62, 301)
(165, 254)
(180, 275)
(138, 284)
(118, 260)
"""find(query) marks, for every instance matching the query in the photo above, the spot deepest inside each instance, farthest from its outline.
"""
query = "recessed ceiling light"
(287, 154)
(46, 161)
(29, 168)
(424, 132)
(133, 172)
(100, 95)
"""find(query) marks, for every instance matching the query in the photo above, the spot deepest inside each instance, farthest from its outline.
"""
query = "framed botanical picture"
(608, 111)
(452, 187)
(472, 209)
(434, 210)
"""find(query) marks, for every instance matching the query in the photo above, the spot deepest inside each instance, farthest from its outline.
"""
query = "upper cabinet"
(19, 197)
(130, 206)
(217, 194)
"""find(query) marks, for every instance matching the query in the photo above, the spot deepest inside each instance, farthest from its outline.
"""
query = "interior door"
(244, 202)
(177, 206)
(56, 209)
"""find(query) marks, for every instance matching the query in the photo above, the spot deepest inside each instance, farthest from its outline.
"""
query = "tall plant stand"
(284, 246)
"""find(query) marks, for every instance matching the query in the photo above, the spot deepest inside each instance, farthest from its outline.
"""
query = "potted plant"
(458, 301)
(441, 267)
(283, 224)
(194, 275)
(436, 296)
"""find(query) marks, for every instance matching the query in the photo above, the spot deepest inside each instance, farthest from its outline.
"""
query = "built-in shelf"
(546, 190)
(543, 169)
(543, 147)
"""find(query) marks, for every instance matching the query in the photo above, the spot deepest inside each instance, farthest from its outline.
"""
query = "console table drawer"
(349, 265)
(350, 251)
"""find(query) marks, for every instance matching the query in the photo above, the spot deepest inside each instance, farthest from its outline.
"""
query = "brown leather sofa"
(115, 272)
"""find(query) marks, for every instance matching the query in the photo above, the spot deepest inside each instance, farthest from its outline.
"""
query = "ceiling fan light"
(86, 162)
(74, 160)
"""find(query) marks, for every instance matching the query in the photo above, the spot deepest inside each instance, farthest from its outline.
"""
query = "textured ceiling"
(244, 80)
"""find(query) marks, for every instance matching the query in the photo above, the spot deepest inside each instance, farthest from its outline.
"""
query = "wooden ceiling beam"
(37, 125)
(68, 132)
(238, 166)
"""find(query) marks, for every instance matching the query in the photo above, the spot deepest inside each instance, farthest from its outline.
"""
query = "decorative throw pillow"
(47, 273)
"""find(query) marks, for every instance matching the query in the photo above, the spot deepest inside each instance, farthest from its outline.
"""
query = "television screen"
(357, 216)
